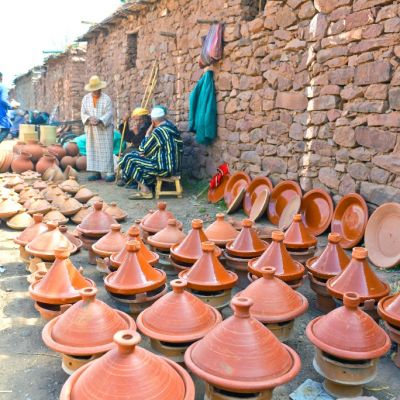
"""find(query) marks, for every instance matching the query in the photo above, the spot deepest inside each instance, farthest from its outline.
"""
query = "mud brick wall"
(24, 91)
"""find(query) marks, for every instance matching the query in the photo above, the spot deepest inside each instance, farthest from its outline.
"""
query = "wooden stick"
(120, 149)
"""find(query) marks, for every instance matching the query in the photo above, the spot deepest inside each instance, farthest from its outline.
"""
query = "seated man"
(159, 154)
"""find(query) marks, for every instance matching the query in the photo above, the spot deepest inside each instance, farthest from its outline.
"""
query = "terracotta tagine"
(276, 255)
(72, 149)
(136, 284)
(359, 277)
(158, 220)
(348, 346)
(57, 150)
(59, 200)
(52, 192)
(45, 245)
(39, 206)
(22, 163)
(46, 162)
(111, 243)
(19, 187)
(29, 202)
(70, 206)
(70, 172)
(78, 217)
(235, 190)
(55, 216)
(73, 239)
(220, 231)
(208, 279)
(20, 221)
(332, 261)
(39, 185)
(257, 185)
(275, 303)
(84, 194)
(97, 223)
(189, 319)
(68, 161)
(87, 243)
(60, 285)
(254, 360)
(8, 208)
(389, 311)
(81, 163)
(299, 241)
(118, 213)
(34, 148)
(70, 186)
(130, 371)
(84, 331)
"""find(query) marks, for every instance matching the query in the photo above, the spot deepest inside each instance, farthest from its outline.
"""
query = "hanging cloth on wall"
(203, 110)
(211, 50)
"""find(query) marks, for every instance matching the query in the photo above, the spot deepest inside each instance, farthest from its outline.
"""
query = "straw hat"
(95, 84)
(139, 111)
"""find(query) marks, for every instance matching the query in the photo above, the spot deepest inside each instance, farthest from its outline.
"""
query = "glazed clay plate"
(292, 208)
(256, 186)
(350, 219)
(382, 236)
(260, 204)
(317, 210)
(217, 194)
(238, 181)
(282, 193)
(235, 203)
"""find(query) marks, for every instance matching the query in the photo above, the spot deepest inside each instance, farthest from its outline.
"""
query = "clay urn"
(81, 163)
(84, 194)
(34, 148)
(78, 217)
(132, 373)
(67, 161)
(55, 216)
(46, 162)
(57, 150)
(112, 242)
(254, 361)
(20, 221)
(348, 345)
(44, 246)
(39, 185)
(72, 238)
(85, 330)
(389, 311)
(359, 277)
(97, 223)
(118, 213)
(70, 185)
(18, 147)
(167, 237)
(189, 319)
(136, 284)
(32, 231)
(39, 206)
(60, 285)
(332, 261)
(275, 303)
(72, 149)
(220, 231)
(22, 162)
(8, 208)
(158, 220)
(276, 255)
(52, 192)
(70, 206)
(208, 279)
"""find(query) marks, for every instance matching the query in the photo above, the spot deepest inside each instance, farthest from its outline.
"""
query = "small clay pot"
(81, 163)
(22, 163)
(34, 148)
(72, 149)
(57, 150)
(46, 162)
(18, 147)
(67, 161)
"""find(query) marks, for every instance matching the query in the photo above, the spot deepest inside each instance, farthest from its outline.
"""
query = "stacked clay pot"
(35, 149)
(57, 150)
(46, 162)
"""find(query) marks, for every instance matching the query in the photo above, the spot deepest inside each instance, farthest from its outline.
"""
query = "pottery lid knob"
(98, 205)
(115, 227)
(247, 223)
(277, 236)
(359, 253)
(138, 221)
(113, 204)
(61, 253)
(220, 216)
(297, 218)
(178, 285)
(268, 272)
(133, 246)
(197, 224)
(127, 340)
(38, 218)
(208, 246)
(241, 306)
(38, 275)
(172, 222)
(63, 228)
(88, 293)
(334, 238)
(134, 231)
(351, 300)
(161, 205)
(51, 225)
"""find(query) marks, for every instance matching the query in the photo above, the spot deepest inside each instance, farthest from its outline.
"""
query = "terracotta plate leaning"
(317, 210)
(382, 236)
(256, 186)
(217, 194)
(260, 204)
(292, 208)
(350, 219)
(238, 181)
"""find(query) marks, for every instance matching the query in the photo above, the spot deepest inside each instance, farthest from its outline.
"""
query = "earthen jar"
(22, 162)
(46, 162)
(18, 147)
(118, 213)
(20, 221)
(220, 231)
(67, 161)
(72, 149)
(34, 148)
(112, 242)
(81, 163)
(70, 186)
(57, 150)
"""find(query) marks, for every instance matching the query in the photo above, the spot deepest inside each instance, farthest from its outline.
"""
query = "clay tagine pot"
(299, 241)
(8, 208)
(97, 223)
(73, 239)
(275, 303)
(84, 194)
(118, 213)
(39, 206)
(44, 246)
(208, 279)
(55, 216)
(34, 148)
(348, 346)
(276, 255)
(78, 217)
(60, 285)
(70, 207)
(189, 319)
(167, 237)
(46, 162)
(332, 261)
(70, 186)
(136, 284)
(111, 243)
(21, 163)
(57, 150)
(20, 221)
(84, 331)
(220, 231)
(254, 360)
(52, 192)
(39, 185)
(359, 278)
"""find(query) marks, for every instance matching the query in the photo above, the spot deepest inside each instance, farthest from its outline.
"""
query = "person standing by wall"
(5, 123)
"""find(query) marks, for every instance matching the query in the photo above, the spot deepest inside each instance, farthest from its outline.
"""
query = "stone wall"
(24, 89)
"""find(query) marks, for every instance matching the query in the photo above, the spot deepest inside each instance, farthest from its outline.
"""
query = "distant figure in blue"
(5, 123)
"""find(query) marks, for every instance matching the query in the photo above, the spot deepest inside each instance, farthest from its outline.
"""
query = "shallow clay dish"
(237, 200)
(260, 204)
(350, 219)
(317, 210)
(238, 181)
(280, 196)
(291, 209)
(382, 236)
(257, 185)
(217, 194)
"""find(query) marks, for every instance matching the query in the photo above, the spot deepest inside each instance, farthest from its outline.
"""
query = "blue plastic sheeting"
(310, 390)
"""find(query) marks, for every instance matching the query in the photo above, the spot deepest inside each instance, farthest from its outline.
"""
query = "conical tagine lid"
(118, 213)
(278, 257)
(9, 207)
(55, 216)
(220, 231)
(70, 206)
(111, 243)
(241, 354)
(21, 220)
(32, 231)
(87, 327)
(158, 220)
(273, 300)
(298, 236)
(129, 372)
(97, 223)
(70, 185)
(359, 278)
(78, 217)
(189, 319)
(40, 206)
(348, 332)
(332, 261)
(84, 194)
(167, 237)
(389, 309)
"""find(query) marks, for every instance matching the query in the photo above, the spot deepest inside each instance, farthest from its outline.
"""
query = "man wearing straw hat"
(97, 117)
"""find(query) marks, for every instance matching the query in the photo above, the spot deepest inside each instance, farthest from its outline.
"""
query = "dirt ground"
(29, 370)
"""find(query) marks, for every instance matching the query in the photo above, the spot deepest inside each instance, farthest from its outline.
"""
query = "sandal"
(141, 196)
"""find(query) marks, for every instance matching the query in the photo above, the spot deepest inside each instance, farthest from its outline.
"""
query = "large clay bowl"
(256, 186)
(316, 210)
(382, 236)
(282, 193)
(217, 194)
(350, 219)
(238, 181)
